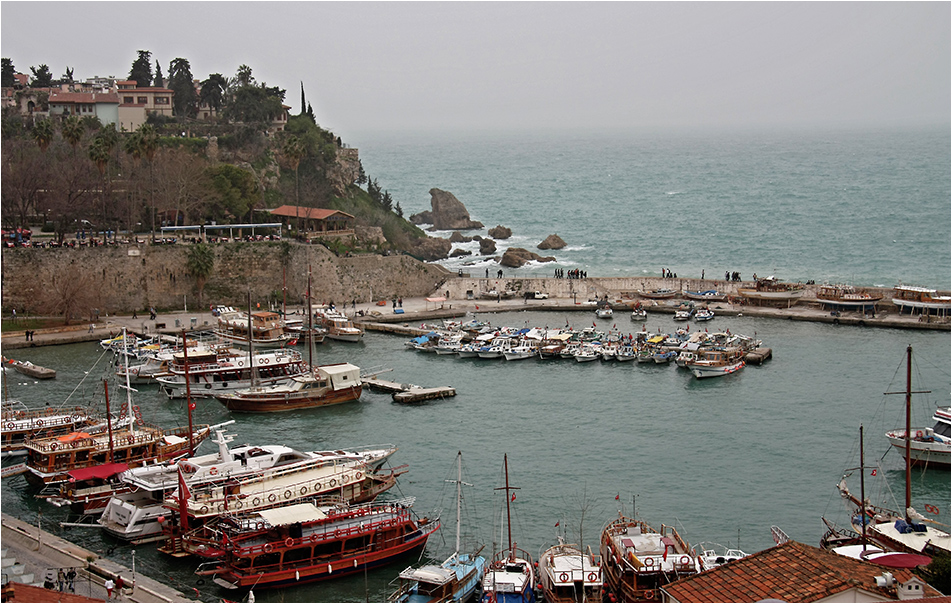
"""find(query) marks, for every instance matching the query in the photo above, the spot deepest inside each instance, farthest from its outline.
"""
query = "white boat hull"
(706, 371)
(921, 452)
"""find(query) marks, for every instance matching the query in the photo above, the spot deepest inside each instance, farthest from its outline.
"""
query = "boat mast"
(125, 353)
(908, 430)
(105, 386)
(310, 326)
(862, 487)
(251, 345)
(188, 396)
(459, 497)
(507, 488)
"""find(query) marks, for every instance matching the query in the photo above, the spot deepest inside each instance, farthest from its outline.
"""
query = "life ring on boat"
(592, 577)
(337, 533)
(649, 595)
(238, 504)
(344, 479)
(75, 444)
(203, 509)
(221, 507)
(208, 386)
(564, 577)
(649, 561)
(288, 494)
(313, 538)
(685, 560)
(39, 423)
(333, 482)
(317, 487)
(260, 526)
(918, 433)
(304, 490)
(358, 475)
(931, 509)
(393, 522)
(268, 548)
(288, 542)
(256, 501)
(77, 417)
(52, 446)
(213, 471)
(11, 425)
(272, 497)
(241, 363)
(131, 440)
(265, 361)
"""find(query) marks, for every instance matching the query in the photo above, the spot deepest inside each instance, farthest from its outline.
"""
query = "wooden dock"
(409, 393)
(758, 356)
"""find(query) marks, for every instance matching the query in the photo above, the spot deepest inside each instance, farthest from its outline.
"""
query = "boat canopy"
(68, 438)
(104, 471)
(292, 514)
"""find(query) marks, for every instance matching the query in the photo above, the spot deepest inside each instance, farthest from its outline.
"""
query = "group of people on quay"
(575, 273)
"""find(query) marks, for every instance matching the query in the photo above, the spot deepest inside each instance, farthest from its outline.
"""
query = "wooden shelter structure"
(316, 222)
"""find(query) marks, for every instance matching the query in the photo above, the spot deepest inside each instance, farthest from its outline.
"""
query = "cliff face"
(119, 279)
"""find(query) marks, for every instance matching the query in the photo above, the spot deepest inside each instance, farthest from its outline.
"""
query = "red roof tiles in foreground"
(792, 572)
(21, 592)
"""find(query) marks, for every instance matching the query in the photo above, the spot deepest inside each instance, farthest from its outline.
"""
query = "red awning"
(68, 438)
(104, 471)
(900, 560)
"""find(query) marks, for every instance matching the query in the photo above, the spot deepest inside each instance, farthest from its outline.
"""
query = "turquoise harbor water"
(722, 459)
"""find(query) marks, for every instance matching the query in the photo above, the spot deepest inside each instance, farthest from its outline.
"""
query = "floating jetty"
(757, 356)
(409, 393)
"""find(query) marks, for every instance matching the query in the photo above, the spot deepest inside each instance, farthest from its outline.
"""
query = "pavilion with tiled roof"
(796, 572)
(317, 221)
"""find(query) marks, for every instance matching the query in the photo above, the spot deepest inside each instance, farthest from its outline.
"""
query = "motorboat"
(567, 574)
(321, 386)
(212, 372)
(716, 362)
(703, 313)
(712, 555)
(710, 295)
(927, 446)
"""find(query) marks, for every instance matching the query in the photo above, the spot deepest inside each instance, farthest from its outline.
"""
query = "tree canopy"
(184, 99)
(7, 73)
(141, 70)
(42, 78)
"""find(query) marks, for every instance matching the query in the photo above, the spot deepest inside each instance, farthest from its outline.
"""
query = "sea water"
(862, 207)
(722, 459)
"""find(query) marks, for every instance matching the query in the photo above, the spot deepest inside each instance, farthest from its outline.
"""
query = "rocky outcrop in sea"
(515, 257)
(500, 232)
(448, 213)
(552, 242)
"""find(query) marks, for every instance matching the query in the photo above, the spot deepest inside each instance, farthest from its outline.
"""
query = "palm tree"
(43, 133)
(200, 261)
(72, 131)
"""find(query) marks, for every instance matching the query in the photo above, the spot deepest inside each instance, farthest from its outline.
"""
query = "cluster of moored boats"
(705, 354)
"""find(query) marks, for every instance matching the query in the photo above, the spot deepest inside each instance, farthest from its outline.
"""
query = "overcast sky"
(500, 65)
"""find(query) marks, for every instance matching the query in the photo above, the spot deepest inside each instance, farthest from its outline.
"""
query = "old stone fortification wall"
(119, 279)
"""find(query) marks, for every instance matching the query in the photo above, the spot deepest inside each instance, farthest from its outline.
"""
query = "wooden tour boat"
(304, 543)
(566, 574)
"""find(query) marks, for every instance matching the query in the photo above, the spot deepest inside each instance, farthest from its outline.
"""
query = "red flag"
(556, 524)
(616, 497)
(183, 499)
(873, 473)
(513, 497)
(477, 307)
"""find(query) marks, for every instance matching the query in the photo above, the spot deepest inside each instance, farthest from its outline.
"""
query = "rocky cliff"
(119, 279)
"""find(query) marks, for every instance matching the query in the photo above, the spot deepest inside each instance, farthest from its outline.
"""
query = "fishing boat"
(303, 543)
(684, 312)
(566, 574)
(30, 370)
(20, 423)
(710, 295)
(456, 579)
(267, 328)
(338, 326)
(639, 314)
(520, 352)
(637, 561)
(150, 370)
(604, 312)
(712, 555)
(906, 531)
(139, 513)
(587, 353)
(658, 294)
(769, 290)
(510, 577)
(716, 362)
(846, 298)
(921, 301)
(212, 372)
(927, 446)
(323, 385)
(703, 313)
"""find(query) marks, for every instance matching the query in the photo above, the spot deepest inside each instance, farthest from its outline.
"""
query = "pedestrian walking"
(134, 314)
(71, 580)
(119, 585)
(109, 585)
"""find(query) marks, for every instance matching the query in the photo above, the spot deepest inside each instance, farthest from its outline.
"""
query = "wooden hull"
(775, 296)
(266, 404)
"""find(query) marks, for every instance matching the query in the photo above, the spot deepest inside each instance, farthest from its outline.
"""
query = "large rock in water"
(552, 242)
(515, 257)
(500, 232)
(449, 212)
(487, 247)
(432, 248)
(424, 217)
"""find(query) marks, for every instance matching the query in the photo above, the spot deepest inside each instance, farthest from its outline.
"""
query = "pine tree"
(159, 80)
(141, 70)
(303, 103)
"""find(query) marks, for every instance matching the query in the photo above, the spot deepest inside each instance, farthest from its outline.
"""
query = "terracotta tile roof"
(21, 592)
(84, 97)
(792, 572)
(307, 213)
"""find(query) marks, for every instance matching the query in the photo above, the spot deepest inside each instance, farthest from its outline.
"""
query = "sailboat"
(511, 574)
(455, 579)
(320, 386)
(906, 531)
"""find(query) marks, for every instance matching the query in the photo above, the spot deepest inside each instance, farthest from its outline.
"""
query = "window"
(127, 99)
(161, 100)
(142, 100)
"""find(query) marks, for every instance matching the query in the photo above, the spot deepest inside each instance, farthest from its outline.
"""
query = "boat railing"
(70, 413)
